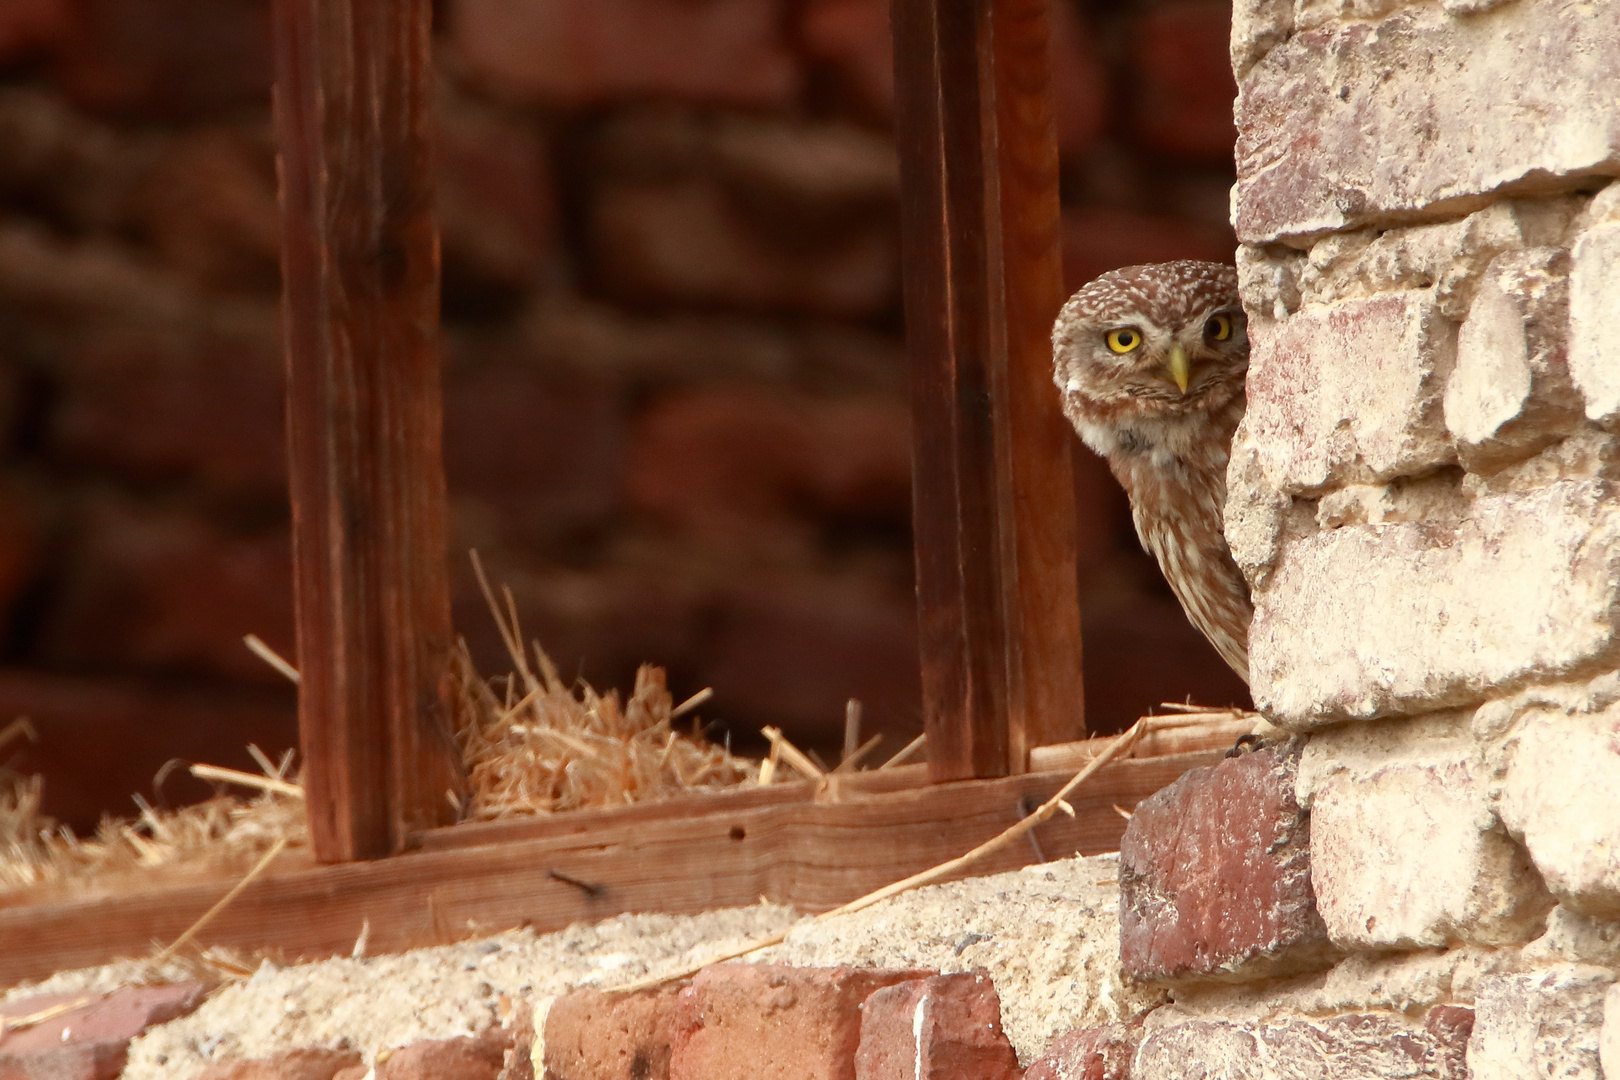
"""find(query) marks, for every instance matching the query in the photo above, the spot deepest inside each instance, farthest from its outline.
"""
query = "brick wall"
(676, 419)
(1424, 499)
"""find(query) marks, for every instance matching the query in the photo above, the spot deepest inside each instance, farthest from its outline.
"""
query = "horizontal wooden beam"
(724, 851)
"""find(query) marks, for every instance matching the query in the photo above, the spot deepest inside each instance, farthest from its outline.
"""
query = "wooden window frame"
(993, 507)
(995, 537)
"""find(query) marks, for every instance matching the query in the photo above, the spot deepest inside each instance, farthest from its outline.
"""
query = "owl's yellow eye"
(1124, 339)
(1218, 327)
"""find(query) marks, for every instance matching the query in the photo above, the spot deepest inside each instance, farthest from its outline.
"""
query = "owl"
(1150, 363)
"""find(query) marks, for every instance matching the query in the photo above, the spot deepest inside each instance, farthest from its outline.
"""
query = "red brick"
(26, 513)
(853, 37)
(101, 740)
(166, 59)
(167, 589)
(305, 1064)
(496, 202)
(1079, 81)
(591, 1035)
(689, 241)
(546, 456)
(1450, 1026)
(209, 207)
(152, 408)
(1104, 1052)
(1139, 647)
(795, 647)
(739, 1021)
(1097, 239)
(476, 1057)
(575, 53)
(743, 468)
(1350, 1047)
(1215, 878)
(947, 1027)
(1182, 75)
(29, 25)
(89, 1042)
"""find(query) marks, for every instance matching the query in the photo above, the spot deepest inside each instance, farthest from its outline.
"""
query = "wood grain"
(993, 500)
(813, 855)
(360, 314)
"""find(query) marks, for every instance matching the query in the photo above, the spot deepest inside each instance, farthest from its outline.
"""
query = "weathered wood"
(360, 313)
(993, 501)
(813, 855)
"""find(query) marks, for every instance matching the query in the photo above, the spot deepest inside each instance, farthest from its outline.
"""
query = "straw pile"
(556, 748)
(222, 833)
(530, 743)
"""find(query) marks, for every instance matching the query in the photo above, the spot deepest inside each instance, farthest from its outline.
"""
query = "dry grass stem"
(850, 761)
(852, 729)
(235, 776)
(1041, 813)
(906, 752)
(224, 902)
(264, 652)
(944, 870)
(9, 1024)
(784, 750)
(692, 702)
(19, 728)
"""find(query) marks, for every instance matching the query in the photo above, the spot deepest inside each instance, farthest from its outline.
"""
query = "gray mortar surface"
(1048, 935)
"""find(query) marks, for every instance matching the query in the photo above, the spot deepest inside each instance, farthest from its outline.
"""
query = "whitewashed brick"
(1423, 114)
(1350, 392)
(1405, 851)
(1594, 319)
(1541, 1024)
(1609, 1041)
(1510, 394)
(1560, 790)
(1449, 258)
(1354, 1046)
(1257, 25)
(1411, 617)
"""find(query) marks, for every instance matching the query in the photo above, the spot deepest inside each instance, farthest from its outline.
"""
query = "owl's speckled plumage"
(1168, 447)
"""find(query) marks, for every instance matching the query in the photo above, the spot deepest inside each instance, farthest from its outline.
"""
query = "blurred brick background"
(676, 413)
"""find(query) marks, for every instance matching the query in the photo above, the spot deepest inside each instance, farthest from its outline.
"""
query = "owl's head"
(1146, 356)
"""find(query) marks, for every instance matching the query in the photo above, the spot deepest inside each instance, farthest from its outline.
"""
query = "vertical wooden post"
(360, 268)
(993, 501)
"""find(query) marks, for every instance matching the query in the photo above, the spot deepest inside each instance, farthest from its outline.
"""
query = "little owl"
(1150, 361)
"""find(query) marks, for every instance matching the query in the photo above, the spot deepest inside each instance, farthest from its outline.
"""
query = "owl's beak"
(1179, 366)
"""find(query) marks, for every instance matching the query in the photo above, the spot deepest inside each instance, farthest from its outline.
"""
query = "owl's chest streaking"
(1178, 498)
